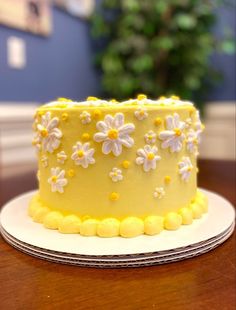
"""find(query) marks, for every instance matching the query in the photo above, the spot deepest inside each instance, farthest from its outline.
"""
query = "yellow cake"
(111, 168)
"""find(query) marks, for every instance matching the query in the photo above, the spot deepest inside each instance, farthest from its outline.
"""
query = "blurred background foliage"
(158, 47)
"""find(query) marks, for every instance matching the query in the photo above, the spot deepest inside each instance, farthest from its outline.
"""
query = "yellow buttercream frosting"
(111, 168)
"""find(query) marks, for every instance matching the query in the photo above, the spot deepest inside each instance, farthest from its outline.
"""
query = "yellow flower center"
(113, 134)
(162, 98)
(150, 137)
(195, 141)
(189, 169)
(54, 178)
(150, 156)
(141, 113)
(44, 132)
(177, 132)
(80, 153)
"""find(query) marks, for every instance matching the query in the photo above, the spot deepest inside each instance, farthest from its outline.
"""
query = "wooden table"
(204, 282)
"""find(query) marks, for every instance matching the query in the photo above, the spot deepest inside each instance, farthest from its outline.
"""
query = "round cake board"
(204, 234)
(146, 261)
(210, 243)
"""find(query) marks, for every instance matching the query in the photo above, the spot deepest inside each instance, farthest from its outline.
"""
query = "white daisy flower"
(114, 133)
(61, 157)
(185, 168)
(148, 157)
(150, 137)
(44, 161)
(83, 155)
(48, 133)
(57, 180)
(173, 136)
(116, 175)
(159, 192)
(141, 114)
(85, 117)
(192, 141)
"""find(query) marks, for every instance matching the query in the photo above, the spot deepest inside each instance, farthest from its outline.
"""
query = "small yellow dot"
(64, 99)
(162, 98)
(113, 100)
(85, 136)
(91, 98)
(97, 114)
(64, 116)
(114, 196)
(175, 97)
(158, 121)
(126, 164)
(141, 97)
(71, 172)
(167, 179)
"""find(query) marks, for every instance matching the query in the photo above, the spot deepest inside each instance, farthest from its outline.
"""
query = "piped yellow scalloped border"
(112, 227)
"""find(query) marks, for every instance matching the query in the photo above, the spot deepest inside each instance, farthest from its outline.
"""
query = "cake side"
(101, 159)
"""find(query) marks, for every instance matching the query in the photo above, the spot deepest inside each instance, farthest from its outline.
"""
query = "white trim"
(16, 136)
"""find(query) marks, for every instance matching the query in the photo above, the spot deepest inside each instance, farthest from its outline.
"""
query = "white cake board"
(118, 263)
(204, 234)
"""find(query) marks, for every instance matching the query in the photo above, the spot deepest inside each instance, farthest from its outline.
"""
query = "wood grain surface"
(203, 282)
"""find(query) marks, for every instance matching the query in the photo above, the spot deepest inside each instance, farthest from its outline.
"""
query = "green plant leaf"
(185, 21)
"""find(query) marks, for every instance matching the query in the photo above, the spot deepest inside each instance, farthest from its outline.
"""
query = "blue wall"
(61, 65)
(57, 66)
(226, 64)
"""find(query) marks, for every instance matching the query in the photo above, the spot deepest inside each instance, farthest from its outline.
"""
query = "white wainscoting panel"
(16, 152)
(218, 141)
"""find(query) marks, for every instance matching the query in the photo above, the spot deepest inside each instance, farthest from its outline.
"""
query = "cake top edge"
(172, 101)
